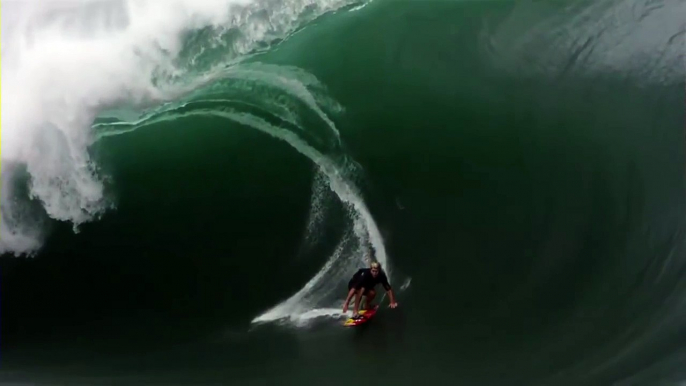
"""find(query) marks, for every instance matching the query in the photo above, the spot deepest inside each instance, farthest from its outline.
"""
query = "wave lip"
(65, 63)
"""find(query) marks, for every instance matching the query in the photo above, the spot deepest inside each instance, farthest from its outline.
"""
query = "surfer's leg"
(348, 296)
(370, 297)
(358, 299)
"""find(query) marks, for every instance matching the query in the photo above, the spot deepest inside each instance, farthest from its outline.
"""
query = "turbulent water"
(187, 187)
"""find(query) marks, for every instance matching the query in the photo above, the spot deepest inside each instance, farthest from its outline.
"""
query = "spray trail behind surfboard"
(317, 296)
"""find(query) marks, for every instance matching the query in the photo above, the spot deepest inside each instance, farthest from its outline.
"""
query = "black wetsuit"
(363, 278)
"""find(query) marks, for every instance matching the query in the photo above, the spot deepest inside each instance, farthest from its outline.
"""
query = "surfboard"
(366, 315)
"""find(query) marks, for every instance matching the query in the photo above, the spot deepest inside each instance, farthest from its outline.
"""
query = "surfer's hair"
(375, 264)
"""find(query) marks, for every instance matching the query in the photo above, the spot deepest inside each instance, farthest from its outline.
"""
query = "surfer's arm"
(391, 296)
(389, 290)
(386, 285)
(350, 294)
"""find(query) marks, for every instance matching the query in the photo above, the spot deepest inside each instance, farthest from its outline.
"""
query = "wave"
(66, 63)
(526, 158)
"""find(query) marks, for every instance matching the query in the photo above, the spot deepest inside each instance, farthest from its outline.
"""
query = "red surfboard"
(365, 316)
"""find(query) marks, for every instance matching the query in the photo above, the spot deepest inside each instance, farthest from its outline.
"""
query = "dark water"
(524, 164)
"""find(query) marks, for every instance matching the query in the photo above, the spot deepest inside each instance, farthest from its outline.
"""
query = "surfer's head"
(375, 268)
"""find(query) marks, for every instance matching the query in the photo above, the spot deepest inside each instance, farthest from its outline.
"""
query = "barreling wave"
(534, 152)
(124, 56)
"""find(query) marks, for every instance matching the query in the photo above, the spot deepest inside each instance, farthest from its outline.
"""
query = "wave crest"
(65, 63)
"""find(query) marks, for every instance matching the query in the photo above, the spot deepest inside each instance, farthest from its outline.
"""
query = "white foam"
(65, 61)
(318, 210)
(307, 317)
(319, 313)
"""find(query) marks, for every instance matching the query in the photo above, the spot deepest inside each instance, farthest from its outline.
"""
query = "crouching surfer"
(362, 284)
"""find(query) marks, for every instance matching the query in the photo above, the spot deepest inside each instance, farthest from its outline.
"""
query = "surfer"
(362, 284)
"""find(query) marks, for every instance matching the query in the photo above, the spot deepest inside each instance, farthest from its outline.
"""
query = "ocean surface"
(188, 185)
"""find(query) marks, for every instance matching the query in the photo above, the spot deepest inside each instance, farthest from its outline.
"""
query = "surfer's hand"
(393, 305)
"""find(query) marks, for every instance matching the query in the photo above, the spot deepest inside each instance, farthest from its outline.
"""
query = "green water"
(536, 213)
